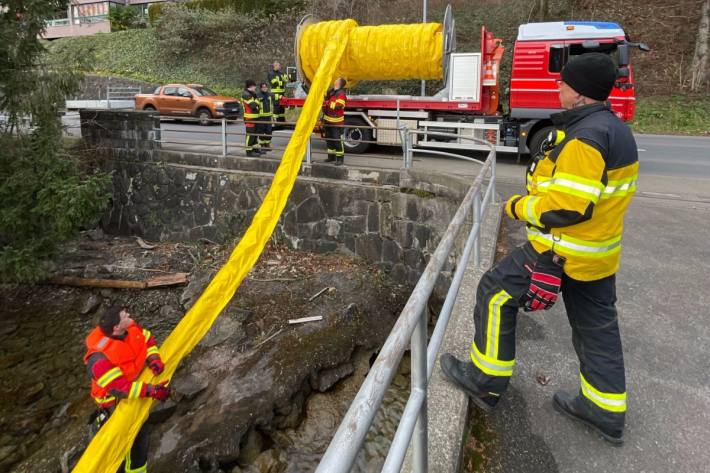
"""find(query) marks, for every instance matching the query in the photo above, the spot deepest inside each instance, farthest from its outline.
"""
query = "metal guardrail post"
(408, 155)
(403, 139)
(308, 151)
(492, 182)
(477, 219)
(224, 136)
(420, 446)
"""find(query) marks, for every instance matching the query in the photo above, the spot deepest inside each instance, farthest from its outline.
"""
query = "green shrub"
(262, 7)
(123, 17)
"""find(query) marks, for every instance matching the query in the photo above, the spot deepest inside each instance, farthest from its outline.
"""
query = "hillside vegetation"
(224, 48)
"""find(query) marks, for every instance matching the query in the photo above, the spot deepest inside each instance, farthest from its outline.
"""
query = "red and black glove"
(545, 282)
(159, 391)
(156, 365)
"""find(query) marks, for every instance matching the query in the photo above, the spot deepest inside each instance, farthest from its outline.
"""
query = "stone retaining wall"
(111, 129)
(382, 224)
(390, 217)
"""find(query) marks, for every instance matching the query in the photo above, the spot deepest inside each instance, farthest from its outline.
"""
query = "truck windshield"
(204, 91)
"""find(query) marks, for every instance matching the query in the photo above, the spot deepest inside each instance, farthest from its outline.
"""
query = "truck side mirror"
(558, 57)
(623, 55)
(644, 47)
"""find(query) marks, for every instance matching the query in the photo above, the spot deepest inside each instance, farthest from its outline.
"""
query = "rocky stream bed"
(256, 396)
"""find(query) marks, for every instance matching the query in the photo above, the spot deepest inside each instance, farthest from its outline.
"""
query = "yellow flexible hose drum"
(386, 52)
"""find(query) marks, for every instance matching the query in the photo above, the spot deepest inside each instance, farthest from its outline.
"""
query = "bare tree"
(699, 66)
(543, 12)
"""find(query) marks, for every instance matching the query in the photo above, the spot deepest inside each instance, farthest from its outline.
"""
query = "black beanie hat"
(592, 75)
(249, 83)
(109, 319)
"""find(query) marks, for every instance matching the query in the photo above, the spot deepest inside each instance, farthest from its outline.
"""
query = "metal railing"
(121, 93)
(411, 329)
(222, 144)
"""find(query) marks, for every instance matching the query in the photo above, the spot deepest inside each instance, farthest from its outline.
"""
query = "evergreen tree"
(46, 196)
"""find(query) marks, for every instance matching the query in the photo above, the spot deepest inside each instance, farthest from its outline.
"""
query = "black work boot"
(329, 159)
(461, 374)
(339, 160)
(253, 154)
(576, 408)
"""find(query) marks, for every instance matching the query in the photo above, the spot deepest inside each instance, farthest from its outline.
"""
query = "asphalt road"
(673, 167)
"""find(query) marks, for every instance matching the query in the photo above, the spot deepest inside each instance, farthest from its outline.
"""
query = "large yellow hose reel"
(384, 52)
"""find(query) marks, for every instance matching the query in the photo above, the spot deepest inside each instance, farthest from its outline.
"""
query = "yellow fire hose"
(330, 49)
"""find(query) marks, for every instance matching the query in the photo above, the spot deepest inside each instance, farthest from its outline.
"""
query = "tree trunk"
(160, 281)
(699, 66)
(543, 10)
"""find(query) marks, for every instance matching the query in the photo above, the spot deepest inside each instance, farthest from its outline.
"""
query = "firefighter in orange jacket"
(578, 192)
(117, 350)
(333, 121)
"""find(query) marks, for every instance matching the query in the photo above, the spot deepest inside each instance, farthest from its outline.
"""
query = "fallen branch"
(161, 281)
(267, 339)
(152, 270)
(274, 280)
(141, 242)
(319, 293)
(305, 319)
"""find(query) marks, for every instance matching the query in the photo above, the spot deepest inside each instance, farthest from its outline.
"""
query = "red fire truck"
(469, 104)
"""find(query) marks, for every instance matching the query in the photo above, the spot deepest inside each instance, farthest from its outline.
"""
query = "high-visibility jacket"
(579, 191)
(266, 104)
(250, 103)
(277, 83)
(126, 356)
(334, 108)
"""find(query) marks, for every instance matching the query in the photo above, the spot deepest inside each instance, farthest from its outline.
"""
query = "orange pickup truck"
(188, 100)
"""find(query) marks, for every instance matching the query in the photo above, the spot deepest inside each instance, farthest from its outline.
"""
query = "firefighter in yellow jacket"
(578, 192)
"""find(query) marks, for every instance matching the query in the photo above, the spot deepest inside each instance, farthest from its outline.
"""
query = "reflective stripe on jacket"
(250, 103)
(277, 83)
(334, 107)
(266, 104)
(579, 191)
(128, 355)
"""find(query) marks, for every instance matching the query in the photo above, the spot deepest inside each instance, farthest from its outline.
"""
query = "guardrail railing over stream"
(410, 331)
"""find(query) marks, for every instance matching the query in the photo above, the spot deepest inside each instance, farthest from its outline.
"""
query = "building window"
(91, 12)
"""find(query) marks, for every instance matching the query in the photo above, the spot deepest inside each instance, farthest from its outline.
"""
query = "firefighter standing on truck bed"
(117, 350)
(250, 104)
(266, 113)
(577, 195)
(277, 81)
(333, 121)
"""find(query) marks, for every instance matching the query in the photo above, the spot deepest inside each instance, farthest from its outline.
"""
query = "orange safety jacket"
(129, 355)
(334, 108)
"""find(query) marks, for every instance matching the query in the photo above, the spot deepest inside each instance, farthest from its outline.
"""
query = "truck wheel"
(353, 137)
(149, 108)
(204, 116)
(535, 141)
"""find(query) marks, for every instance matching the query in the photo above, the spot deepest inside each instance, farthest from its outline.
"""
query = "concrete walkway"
(663, 291)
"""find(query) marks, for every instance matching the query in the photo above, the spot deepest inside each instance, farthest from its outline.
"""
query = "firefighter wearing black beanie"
(592, 75)
(577, 193)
